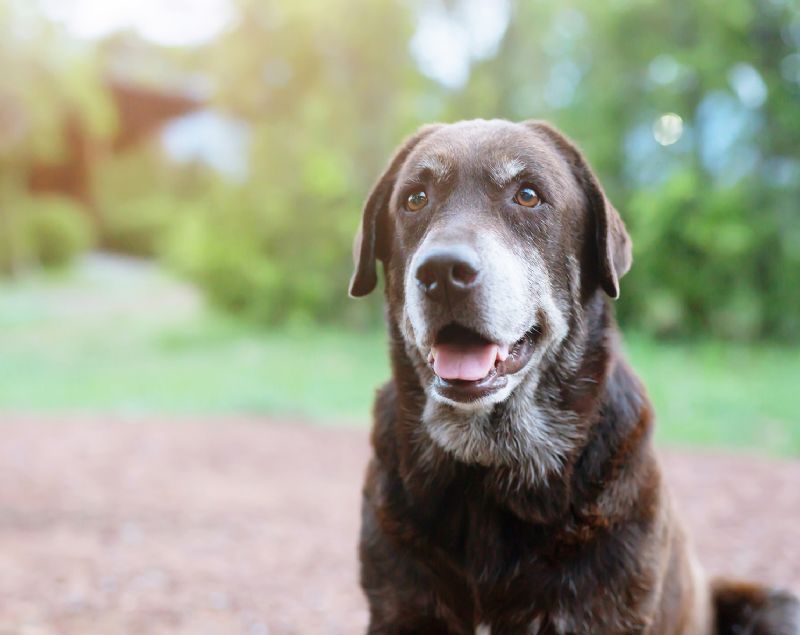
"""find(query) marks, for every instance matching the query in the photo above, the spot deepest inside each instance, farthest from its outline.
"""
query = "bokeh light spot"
(748, 85)
(664, 70)
(668, 128)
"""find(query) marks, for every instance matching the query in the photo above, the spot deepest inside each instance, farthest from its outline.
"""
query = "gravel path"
(111, 526)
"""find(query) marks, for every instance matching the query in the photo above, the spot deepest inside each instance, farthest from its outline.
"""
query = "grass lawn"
(132, 340)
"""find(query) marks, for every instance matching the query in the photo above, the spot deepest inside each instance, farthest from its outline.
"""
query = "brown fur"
(594, 546)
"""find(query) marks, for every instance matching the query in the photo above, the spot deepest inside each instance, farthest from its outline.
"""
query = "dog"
(513, 487)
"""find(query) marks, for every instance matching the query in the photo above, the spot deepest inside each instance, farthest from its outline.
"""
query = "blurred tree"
(55, 87)
(327, 87)
(689, 115)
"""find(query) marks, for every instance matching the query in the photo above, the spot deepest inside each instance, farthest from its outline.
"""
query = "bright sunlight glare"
(448, 39)
(166, 22)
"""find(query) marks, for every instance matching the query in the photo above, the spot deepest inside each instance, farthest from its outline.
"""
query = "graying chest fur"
(527, 433)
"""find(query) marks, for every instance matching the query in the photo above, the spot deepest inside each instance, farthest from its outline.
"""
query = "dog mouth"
(469, 366)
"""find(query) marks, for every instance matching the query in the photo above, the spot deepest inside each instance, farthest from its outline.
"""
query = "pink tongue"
(469, 362)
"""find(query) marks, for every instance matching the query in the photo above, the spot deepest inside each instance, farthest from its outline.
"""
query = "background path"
(113, 525)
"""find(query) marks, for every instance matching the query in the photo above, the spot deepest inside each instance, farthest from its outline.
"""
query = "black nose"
(448, 272)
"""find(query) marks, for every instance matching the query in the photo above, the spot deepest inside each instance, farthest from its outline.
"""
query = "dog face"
(491, 233)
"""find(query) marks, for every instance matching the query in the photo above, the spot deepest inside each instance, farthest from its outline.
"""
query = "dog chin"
(484, 402)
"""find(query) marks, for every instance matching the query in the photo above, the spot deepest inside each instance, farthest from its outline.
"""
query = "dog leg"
(400, 592)
(751, 609)
(422, 626)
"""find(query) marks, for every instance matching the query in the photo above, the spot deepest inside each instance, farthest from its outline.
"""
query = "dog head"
(490, 233)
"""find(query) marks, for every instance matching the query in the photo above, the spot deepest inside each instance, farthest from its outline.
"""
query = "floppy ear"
(372, 241)
(612, 239)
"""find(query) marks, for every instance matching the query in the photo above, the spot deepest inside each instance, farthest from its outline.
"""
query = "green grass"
(180, 371)
(722, 394)
(196, 363)
(82, 344)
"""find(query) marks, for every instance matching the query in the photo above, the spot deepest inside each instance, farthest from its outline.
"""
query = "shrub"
(46, 231)
(225, 263)
(136, 200)
(710, 260)
(135, 226)
(58, 230)
(14, 247)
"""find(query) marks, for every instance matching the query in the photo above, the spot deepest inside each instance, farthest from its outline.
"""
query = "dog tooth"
(502, 352)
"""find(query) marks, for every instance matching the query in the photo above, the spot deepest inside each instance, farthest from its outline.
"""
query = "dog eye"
(416, 201)
(527, 197)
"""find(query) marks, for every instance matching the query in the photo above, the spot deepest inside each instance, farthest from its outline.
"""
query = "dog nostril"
(426, 276)
(463, 274)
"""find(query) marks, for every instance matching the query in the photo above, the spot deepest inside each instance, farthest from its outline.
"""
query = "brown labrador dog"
(513, 486)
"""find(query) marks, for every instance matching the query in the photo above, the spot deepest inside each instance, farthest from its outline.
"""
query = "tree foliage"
(327, 89)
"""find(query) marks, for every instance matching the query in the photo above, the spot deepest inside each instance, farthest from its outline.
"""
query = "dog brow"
(505, 171)
(438, 166)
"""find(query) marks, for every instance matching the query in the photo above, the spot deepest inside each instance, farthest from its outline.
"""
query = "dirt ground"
(115, 525)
